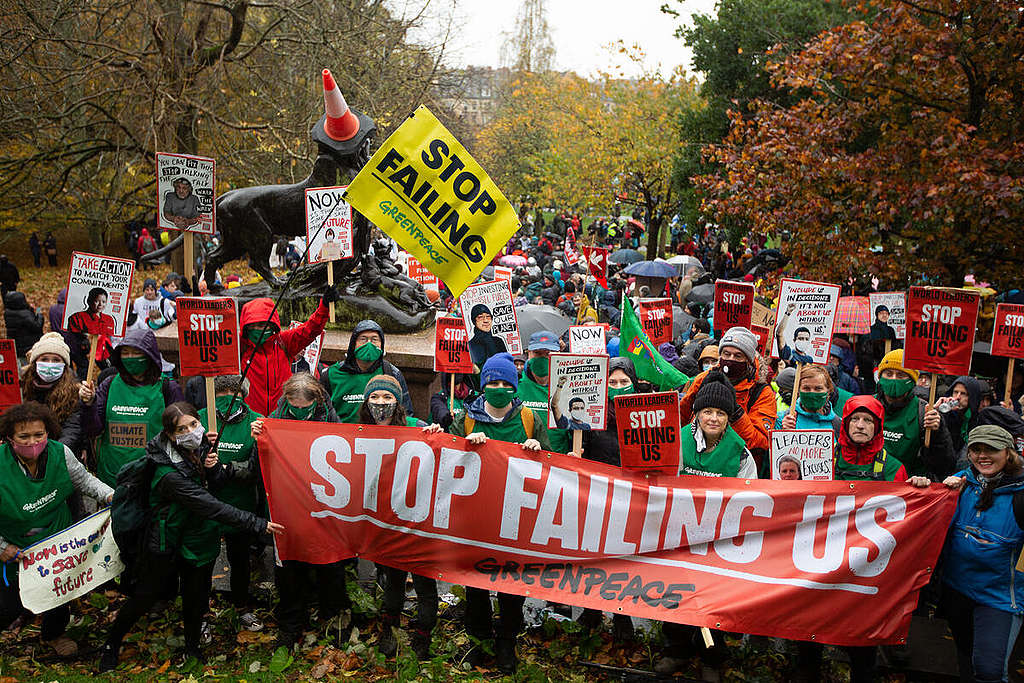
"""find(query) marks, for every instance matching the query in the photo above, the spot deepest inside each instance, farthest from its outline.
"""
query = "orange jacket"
(753, 427)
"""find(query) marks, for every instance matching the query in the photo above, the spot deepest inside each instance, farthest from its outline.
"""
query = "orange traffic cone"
(340, 123)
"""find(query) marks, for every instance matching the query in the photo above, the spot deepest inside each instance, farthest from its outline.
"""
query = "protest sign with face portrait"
(804, 319)
(185, 193)
(804, 454)
(577, 391)
(311, 354)
(490, 320)
(98, 300)
(328, 224)
(889, 308)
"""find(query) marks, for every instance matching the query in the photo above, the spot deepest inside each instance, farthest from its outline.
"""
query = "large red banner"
(10, 385)
(1008, 331)
(208, 336)
(734, 305)
(941, 324)
(836, 562)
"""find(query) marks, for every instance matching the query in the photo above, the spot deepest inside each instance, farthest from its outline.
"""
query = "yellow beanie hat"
(894, 360)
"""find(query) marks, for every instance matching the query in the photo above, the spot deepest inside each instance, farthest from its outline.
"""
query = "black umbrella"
(535, 317)
(625, 256)
(681, 321)
(702, 294)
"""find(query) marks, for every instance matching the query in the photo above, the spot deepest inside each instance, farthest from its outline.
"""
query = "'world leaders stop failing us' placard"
(424, 189)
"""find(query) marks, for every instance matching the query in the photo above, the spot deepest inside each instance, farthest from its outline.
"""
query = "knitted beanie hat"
(894, 361)
(383, 383)
(51, 342)
(499, 366)
(715, 392)
(741, 338)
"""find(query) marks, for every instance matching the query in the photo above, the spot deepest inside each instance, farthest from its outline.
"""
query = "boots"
(387, 645)
(419, 641)
(505, 654)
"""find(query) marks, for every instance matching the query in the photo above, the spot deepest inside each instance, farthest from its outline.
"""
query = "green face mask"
(258, 334)
(135, 366)
(894, 388)
(813, 401)
(300, 413)
(539, 366)
(499, 397)
(619, 391)
(368, 352)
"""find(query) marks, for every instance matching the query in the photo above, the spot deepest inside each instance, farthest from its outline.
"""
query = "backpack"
(526, 414)
(130, 511)
(760, 454)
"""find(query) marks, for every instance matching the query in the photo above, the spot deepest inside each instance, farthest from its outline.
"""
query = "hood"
(973, 387)
(15, 301)
(862, 453)
(624, 364)
(144, 233)
(349, 365)
(142, 339)
(257, 311)
(62, 296)
(1000, 416)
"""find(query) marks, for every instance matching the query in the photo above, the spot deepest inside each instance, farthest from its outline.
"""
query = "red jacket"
(857, 454)
(272, 361)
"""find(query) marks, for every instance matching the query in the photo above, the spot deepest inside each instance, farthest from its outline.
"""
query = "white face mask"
(192, 439)
(706, 367)
(578, 415)
(802, 345)
(49, 372)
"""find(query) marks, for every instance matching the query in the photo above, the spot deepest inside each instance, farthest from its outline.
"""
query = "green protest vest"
(178, 529)
(33, 509)
(903, 437)
(347, 392)
(235, 445)
(133, 419)
(535, 397)
(883, 465)
(721, 461)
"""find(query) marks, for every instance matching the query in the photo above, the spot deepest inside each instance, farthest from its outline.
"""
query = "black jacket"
(24, 325)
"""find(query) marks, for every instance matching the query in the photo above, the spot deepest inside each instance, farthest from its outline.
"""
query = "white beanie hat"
(51, 342)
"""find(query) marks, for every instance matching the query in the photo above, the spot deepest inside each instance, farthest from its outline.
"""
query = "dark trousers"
(394, 597)
(683, 640)
(150, 585)
(54, 620)
(862, 661)
(478, 614)
(984, 637)
(236, 546)
(296, 582)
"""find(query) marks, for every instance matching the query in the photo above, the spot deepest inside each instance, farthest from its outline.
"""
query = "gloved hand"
(736, 414)
(330, 296)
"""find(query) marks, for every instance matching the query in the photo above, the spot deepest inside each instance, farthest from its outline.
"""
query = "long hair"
(303, 385)
(169, 418)
(366, 418)
(61, 398)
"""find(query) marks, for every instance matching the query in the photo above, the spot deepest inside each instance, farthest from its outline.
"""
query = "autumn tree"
(564, 140)
(903, 154)
(529, 48)
(91, 89)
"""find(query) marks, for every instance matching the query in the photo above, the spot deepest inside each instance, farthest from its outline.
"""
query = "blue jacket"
(983, 546)
(806, 420)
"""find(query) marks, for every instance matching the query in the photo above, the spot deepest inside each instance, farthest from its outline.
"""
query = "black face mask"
(735, 370)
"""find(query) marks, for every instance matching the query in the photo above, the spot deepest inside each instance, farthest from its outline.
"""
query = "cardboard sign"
(587, 339)
(185, 193)
(597, 263)
(10, 385)
(328, 224)
(648, 426)
(208, 343)
(420, 274)
(427, 192)
(99, 294)
(68, 564)
(311, 354)
(577, 391)
(762, 315)
(496, 299)
(734, 305)
(804, 320)
(1008, 331)
(896, 303)
(656, 320)
(451, 346)
(502, 273)
(941, 323)
(806, 454)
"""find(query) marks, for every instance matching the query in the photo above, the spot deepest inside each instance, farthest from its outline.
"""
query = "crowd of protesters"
(70, 436)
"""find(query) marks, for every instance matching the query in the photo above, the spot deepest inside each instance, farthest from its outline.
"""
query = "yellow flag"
(424, 189)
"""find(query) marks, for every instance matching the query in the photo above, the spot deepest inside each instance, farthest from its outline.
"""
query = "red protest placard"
(764, 338)
(597, 262)
(656, 320)
(734, 305)
(10, 386)
(451, 346)
(208, 336)
(420, 274)
(1008, 332)
(648, 426)
(941, 323)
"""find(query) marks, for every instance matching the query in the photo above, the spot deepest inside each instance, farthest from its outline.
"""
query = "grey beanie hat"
(742, 339)
(786, 378)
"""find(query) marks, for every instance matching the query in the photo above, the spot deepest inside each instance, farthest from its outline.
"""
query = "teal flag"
(649, 364)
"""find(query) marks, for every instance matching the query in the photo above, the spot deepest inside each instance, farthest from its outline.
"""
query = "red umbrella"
(853, 315)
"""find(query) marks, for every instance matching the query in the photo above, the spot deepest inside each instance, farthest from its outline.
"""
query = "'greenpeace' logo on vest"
(226, 446)
(42, 502)
(130, 410)
(891, 436)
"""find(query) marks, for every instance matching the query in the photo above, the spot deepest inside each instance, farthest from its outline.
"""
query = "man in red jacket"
(272, 349)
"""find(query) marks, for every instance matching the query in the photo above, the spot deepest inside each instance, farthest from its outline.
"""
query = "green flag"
(649, 364)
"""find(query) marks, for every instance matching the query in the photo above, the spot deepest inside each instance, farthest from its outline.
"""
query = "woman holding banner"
(302, 398)
(183, 537)
(38, 474)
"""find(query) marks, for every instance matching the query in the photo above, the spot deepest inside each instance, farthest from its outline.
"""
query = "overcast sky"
(582, 30)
